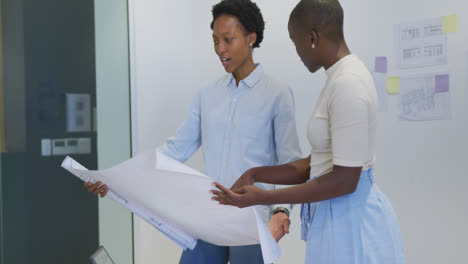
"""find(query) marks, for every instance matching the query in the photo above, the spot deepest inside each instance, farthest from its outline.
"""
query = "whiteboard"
(420, 165)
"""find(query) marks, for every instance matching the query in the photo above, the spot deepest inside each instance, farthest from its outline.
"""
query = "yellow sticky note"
(393, 85)
(450, 24)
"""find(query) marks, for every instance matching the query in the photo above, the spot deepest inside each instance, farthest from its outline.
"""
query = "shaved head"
(324, 16)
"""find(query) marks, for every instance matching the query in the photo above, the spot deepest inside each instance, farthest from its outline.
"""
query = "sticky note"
(450, 24)
(393, 85)
(442, 83)
(381, 64)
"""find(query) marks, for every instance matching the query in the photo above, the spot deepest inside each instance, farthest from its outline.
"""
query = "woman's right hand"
(97, 188)
(248, 178)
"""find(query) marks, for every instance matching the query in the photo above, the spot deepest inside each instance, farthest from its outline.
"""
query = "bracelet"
(280, 209)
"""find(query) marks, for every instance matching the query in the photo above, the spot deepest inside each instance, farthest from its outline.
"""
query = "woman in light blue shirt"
(244, 119)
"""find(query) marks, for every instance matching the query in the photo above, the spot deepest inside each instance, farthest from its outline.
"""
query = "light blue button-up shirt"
(240, 127)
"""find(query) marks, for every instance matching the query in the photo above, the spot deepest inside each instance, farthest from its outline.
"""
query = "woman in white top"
(345, 217)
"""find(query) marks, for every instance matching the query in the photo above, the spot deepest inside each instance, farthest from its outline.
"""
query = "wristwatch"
(280, 209)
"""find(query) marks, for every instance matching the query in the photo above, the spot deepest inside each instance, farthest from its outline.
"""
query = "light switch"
(78, 112)
(84, 146)
(59, 147)
(67, 146)
(46, 147)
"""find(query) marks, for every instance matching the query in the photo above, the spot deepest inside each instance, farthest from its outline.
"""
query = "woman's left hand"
(244, 196)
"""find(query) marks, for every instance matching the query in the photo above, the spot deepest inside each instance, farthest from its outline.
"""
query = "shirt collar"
(252, 79)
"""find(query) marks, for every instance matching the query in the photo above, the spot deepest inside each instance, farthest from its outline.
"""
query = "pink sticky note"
(442, 83)
(381, 64)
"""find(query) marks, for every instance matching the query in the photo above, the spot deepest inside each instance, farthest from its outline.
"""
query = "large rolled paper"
(175, 199)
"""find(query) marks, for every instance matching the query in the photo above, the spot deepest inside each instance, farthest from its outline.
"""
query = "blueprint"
(425, 97)
(421, 43)
(165, 193)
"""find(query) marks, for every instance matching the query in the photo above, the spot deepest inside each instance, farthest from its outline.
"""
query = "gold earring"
(313, 45)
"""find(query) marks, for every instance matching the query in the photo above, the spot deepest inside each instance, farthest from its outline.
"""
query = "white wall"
(419, 164)
(113, 119)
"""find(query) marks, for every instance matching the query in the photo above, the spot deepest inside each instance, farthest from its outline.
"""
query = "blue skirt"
(360, 228)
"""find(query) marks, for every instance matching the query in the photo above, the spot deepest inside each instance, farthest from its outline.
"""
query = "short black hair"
(327, 15)
(247, 12)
